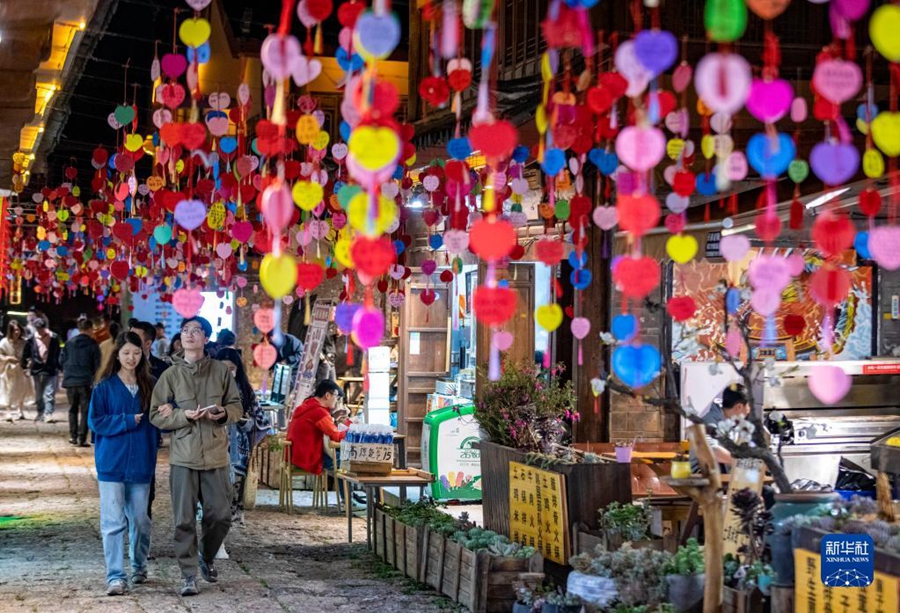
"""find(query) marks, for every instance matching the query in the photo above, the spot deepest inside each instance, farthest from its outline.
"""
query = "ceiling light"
(826, 198)
(40, 129)
(81, 25)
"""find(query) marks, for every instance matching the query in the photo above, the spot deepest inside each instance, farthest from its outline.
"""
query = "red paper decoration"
(681, 308)
(636, 277)
(637, 214)
(492, 240)
(794, 324)
(494, 306)
(832, 233)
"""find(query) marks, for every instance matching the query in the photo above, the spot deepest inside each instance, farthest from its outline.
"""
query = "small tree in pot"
(685, 577)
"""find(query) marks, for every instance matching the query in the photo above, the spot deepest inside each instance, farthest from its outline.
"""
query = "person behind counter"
(734, 406)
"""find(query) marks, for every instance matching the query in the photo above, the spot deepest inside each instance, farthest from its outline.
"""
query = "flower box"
(475, 579)
(588, 486)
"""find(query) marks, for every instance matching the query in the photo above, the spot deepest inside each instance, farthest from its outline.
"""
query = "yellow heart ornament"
(373, 148)
(883, 28)
(681, 248)
(549, 316)
(307, 129)
(133, 142)
(194, 32)
(873, 163)
(278, 275)
(358, 214)
(342, 252)
(886, 132)
(307, 195)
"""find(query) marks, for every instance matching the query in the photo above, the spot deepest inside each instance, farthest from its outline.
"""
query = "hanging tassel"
(580, 358)
(318, 46)
(306, 314)
(547, 353)
(796, 214)
(596, 405)
(494, 363)
(350, 358)
(769, 333)
(733, 204)
(706, 215)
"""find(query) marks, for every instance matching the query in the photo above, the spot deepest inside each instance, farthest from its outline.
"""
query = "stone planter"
(686, 592)
(598, 591)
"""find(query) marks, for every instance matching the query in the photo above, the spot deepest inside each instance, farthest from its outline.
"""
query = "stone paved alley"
(51, 557)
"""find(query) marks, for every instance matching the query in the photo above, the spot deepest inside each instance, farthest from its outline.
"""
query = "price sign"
(537, 511)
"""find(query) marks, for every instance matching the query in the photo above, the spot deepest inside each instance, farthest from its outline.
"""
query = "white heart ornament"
(161, 117)
(677, 203)
(243, 93)
(723, 82)
(305, 71)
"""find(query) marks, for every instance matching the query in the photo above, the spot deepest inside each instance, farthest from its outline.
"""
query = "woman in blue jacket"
(125, 446)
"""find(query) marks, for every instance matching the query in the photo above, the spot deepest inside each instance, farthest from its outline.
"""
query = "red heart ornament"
(492, 240)
(309, 275)
(119, 269)
(372, 256)
(636, 277)
(637, 214)
(829, 285)
(550, 252)
(494, 306)
(870, 202)
(832, 233)
(495, 140)
(768, 227)
(681, 308)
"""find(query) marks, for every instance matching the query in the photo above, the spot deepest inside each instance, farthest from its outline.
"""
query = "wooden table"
(402, 478)
(652, 458)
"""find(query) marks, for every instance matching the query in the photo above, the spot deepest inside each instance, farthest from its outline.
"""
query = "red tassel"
(761, 200)
(706, 215)
(733, 204)
(796, 214)
(350, 359)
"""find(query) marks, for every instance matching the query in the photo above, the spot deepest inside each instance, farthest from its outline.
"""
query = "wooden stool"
(286, 485)
(332, 451)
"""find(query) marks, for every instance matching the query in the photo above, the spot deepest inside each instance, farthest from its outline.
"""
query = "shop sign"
(712, 244)
(538, 515)
(312, 349)
(746, 473)
(811, 595)
(881, 369)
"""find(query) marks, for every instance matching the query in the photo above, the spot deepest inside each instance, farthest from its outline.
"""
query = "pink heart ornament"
(396, 299)
(305, 71)
(396, 271)
(280, 55)
(723, 81)
(187, 302)
(161, 117)
(769, 101)
(242, 231)
(190, 215)
(641, 148)
(884, 245)
(836, 80)
(677, 203)
(605, 217)
(173, 65)
(734, 247)
(224, 250)
(456, 241)
(581, 327)
(829, 383)
(502, 340)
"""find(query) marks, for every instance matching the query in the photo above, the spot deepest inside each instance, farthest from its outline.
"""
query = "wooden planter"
(741, 601)
(389, 556)
(413, 545)
(477, 580)
(588, 487)
(378, 530)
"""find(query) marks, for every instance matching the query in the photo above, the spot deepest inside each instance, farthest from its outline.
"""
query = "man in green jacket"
(195, 399)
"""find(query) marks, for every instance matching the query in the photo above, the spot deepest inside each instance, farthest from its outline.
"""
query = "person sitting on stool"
(310, 421)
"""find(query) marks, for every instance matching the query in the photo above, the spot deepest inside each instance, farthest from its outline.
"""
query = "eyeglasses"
(191, 331)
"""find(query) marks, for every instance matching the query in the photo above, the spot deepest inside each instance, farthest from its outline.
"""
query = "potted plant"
(632, 577)
(685, 577)
(624, 451)
(620, 523)
(681, 467)
(526, 408)
(748, 577)
(525, 600)
(561, 602)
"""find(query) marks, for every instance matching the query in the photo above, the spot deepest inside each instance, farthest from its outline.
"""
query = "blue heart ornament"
(770, 157)
(636, 365)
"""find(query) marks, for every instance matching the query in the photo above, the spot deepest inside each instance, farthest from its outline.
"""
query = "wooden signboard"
(537, 511)
(812, 596)
(312, 349)
(745, 473)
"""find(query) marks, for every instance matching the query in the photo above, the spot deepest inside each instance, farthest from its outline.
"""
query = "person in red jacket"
(310, 421)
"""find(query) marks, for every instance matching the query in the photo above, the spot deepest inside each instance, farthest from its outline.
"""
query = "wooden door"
(521, 278)
(424, 357)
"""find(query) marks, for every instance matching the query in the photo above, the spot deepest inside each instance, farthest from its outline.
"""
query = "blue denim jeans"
(124, 506)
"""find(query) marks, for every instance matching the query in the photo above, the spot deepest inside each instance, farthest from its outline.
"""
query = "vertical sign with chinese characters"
(312, 348)
(537, 511)
(746, 473)
(813, 596)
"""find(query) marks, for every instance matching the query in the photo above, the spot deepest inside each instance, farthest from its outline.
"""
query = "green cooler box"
(447, 452)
